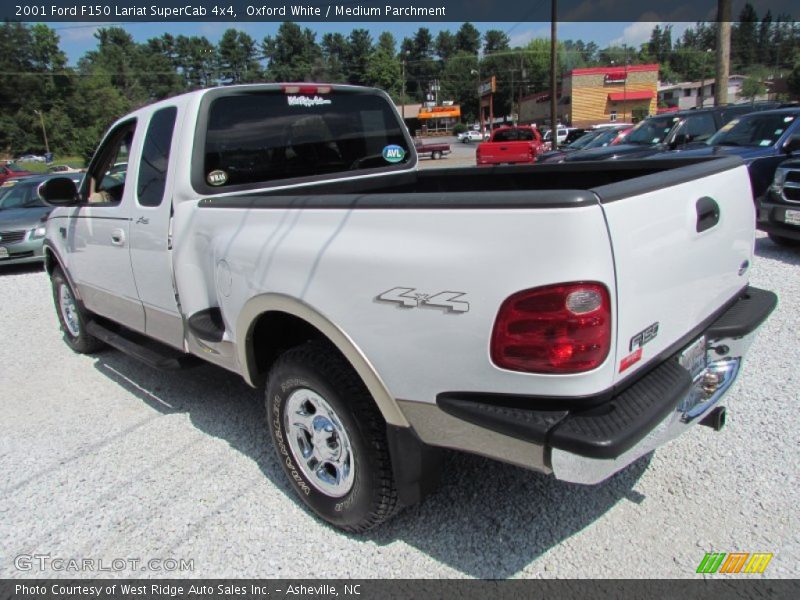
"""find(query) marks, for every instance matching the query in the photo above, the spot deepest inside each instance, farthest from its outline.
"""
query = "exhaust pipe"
(715, 419)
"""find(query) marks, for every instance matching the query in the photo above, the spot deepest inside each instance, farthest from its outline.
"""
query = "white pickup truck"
(568, 318)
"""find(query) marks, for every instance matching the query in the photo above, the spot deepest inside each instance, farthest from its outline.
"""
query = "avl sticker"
(393, 153)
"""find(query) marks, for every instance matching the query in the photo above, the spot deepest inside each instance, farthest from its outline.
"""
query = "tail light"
(564, 328)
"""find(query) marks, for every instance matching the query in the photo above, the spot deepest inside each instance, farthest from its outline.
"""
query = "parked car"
(280, 240)
(63, 169)
(31, 158)
(762, 139)
(470, 136)
(599, 138)
(510, 145)
(779, 211)
(11, 171)
(669, 131)
(435, 150)
(22, 216)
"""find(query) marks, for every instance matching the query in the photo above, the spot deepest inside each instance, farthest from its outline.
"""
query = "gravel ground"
(102, 457)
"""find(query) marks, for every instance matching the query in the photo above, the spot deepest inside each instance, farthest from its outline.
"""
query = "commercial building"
(598, 95)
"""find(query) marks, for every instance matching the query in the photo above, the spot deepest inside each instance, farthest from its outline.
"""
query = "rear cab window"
(278, 136)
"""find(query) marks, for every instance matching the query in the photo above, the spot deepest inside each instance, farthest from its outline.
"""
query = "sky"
(77, 38)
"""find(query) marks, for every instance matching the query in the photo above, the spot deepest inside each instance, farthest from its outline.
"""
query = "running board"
(145, 349)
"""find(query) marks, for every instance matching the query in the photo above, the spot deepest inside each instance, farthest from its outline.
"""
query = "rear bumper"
(589, 445)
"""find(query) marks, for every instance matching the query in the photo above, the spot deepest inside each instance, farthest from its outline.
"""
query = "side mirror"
(59, 191)
(792, 144)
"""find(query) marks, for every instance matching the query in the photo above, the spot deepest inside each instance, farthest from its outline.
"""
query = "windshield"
(583, 140)
(260, 137)
(651, 131)
(21, 195)
(753, 130)
(603, 139)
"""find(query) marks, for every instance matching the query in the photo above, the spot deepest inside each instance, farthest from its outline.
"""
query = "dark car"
(779, 211)
(22, 219)
(761, 139)
(672, 131)
(598, 138)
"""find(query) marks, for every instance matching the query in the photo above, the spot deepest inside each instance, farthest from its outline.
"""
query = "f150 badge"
(410, 298)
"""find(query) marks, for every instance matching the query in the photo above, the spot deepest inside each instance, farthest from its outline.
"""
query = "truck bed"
(578, 184)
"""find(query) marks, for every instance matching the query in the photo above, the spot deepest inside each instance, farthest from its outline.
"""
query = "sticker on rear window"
(393, 153)
(788, 119)
(765, 142)
(306, 101)
(217, 177)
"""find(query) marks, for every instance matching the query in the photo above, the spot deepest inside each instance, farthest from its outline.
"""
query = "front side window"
(155, 157)
(105, 181)
(266, 136)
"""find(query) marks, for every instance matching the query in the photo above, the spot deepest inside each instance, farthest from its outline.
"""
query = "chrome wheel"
(69, 310)
(319, 443)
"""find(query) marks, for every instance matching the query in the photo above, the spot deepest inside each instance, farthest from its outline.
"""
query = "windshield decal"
(393, 153)
(217, 177)
(307, 102)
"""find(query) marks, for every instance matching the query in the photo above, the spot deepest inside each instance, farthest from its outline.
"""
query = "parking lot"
(104, 458)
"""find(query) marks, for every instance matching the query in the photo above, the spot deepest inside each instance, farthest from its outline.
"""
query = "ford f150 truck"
(566, 318)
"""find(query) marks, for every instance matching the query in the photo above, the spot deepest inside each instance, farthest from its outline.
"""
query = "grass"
(73, 161)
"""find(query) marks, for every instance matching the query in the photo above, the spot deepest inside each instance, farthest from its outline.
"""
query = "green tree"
(468, 39)
(744, 38)
(752, 87)
(793, 81)
(335, 52)
(384, 69)
(237, 56)
(495, 40)
(445, 45)
(195, 59)
(293, 54)
(359, 50)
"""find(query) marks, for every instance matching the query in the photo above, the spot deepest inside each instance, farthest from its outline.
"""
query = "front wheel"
(436, 155)
(71, 316)
(330, 438)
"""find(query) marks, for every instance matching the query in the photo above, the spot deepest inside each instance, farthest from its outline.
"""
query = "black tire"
(784, 241)
(75, 335)
(372, 497)
(436, 155)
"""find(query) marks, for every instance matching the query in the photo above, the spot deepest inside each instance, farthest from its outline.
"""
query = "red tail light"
(564, 328)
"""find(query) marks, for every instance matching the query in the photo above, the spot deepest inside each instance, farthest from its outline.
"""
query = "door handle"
(707, 213)
(118, 237)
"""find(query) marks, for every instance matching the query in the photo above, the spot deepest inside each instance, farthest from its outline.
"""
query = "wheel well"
(275, 332)
(50, 261)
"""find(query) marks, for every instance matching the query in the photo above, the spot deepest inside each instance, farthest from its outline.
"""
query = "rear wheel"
(330, 438)
(71, 316)
(436, 154)
(784, 241)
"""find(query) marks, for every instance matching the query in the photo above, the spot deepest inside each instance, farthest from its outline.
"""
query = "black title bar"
(379, 10)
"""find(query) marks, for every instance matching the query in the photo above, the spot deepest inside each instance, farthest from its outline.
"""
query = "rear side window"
(267, 136)
(155, 157)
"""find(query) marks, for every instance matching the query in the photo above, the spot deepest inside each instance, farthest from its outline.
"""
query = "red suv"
(9, 170)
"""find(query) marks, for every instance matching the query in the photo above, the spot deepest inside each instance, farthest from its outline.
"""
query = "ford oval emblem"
(394, 153)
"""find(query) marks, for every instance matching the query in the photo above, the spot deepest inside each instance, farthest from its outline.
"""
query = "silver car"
(22, 219)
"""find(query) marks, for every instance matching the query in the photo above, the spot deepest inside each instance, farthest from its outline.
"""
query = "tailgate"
(500, 152)
(682, 242)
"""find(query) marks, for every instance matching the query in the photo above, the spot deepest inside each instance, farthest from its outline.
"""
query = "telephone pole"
(723, 52)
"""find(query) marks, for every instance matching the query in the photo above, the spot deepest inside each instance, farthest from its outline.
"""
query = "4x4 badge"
(410, 298)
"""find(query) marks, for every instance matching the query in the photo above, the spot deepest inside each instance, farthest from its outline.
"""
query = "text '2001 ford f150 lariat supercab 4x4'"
(566, 318)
